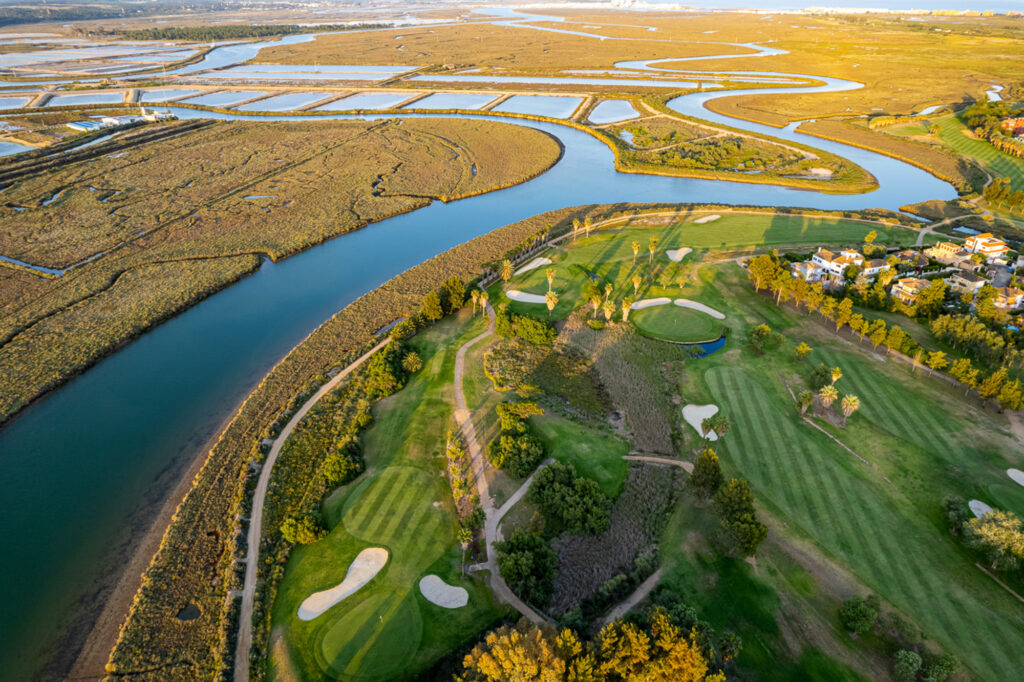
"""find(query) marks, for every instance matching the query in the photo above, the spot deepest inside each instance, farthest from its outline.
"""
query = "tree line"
(767, 272)
(207, 33)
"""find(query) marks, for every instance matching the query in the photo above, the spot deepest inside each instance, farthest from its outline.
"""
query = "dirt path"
(639, 594)
(244, 642)
(463, 417)
(686, 466)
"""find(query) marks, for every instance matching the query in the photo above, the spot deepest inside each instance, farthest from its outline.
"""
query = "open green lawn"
(673, 323)
(595, 454)
(607, 256)
(1001, 165)
(387, 630)
(883, 522)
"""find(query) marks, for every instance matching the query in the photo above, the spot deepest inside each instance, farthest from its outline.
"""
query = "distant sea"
(979, 5)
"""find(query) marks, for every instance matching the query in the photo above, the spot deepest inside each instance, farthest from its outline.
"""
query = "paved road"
(244, 642)
(639, 594)
(463, 416)
(687, 466)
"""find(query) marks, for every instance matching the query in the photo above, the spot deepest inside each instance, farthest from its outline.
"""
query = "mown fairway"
(607, 256)
(673, 323)
(387, 630)
(1001, 165)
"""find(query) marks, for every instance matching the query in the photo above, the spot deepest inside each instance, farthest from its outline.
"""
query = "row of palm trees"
(828, 396)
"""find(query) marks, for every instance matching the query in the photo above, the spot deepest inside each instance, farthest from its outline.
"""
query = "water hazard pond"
(83, 467)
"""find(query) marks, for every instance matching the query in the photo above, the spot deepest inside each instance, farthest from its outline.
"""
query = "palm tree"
(551, 299)
(607, 290)
(806, 399)
(851, 404)
(828, 395)
(651, 248)
(627, 304)
(550, 272)
(637, 281)
(506, 270)
(595, 300)
(575, 228)
(475, 295)
(636, 251)
(465, 538)
(483, 301)
(608, 309)
(587, 225)
(837, 374)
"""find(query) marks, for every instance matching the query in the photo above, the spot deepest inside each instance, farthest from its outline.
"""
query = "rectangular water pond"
(368, 100)
(288, 102)
(164, 95)
(447, 100)
(224, 99)
(14, 102)
(91, 98)
(612, 111)
(540, 105)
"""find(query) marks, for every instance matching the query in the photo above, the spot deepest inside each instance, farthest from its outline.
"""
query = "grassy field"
(883, 522)
(595, 455)
(608, 255)
(672, 323)
(184, 200)
(387, 630)
(999, 164)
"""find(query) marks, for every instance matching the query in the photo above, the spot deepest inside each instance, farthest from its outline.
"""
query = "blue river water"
(84, 466)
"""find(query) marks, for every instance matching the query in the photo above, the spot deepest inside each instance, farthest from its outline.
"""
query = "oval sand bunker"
(361, 571)
(1016, 475)
(441, 593)
(523, 297)
(677, 255)
(979, 508)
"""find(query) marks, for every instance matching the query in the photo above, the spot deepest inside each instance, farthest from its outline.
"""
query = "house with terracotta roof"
(807, 271)
(963, 282)
(872, 267)
(907, 290)
(836, 263)
(987, 245)
(912, 258)
(948, 253)
(1009, 298)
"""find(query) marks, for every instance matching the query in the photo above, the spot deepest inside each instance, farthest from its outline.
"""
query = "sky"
(980, 5)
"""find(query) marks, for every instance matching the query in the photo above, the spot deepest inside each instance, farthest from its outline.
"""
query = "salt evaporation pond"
(94, 98)
(612, 111)
(446, 100)
(13, 102)
(8, 148)
(224, 99)
(164, 95)
(540, 105)
(554, 80)
(367, 100)
(288, 102)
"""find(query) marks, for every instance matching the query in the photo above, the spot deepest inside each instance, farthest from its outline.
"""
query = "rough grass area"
(673, 323)
(388, 630)
(585, 563)
(881, 521)
(178, 205)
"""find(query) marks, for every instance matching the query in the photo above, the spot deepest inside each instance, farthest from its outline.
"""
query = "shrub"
(858, 614)
(762, 338)
(412, 363)
(384, 373)
(519, 455)
(532, 330)
(503, 326)
(706, 478)
(957, 512)
(453, 294)
(528, 566)
(906, 666)
(303, 529)
(574, 501)
(999, 535)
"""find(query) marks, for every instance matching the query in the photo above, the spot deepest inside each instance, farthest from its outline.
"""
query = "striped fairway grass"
(1001, 165)
(387, 630)
(852, 514)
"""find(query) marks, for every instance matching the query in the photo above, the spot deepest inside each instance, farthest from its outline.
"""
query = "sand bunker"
(522, 297)
(979, 508)
(1016, 475)
(707, 219)
(696, 414)
(441, 593)
(367, 564)
(677, 255)
(650, 303)
(694, 305)
(533, 265)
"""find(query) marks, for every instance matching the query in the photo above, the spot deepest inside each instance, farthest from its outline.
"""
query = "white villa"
(987, 245)
(828, 267)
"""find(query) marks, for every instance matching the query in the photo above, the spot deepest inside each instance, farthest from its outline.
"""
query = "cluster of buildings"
(830, 269)
(1014, 127)
(106, 122)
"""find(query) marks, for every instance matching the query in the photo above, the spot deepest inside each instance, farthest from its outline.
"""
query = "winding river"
(85, 467)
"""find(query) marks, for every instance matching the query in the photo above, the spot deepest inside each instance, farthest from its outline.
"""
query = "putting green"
(386, 622)
(674, 323)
